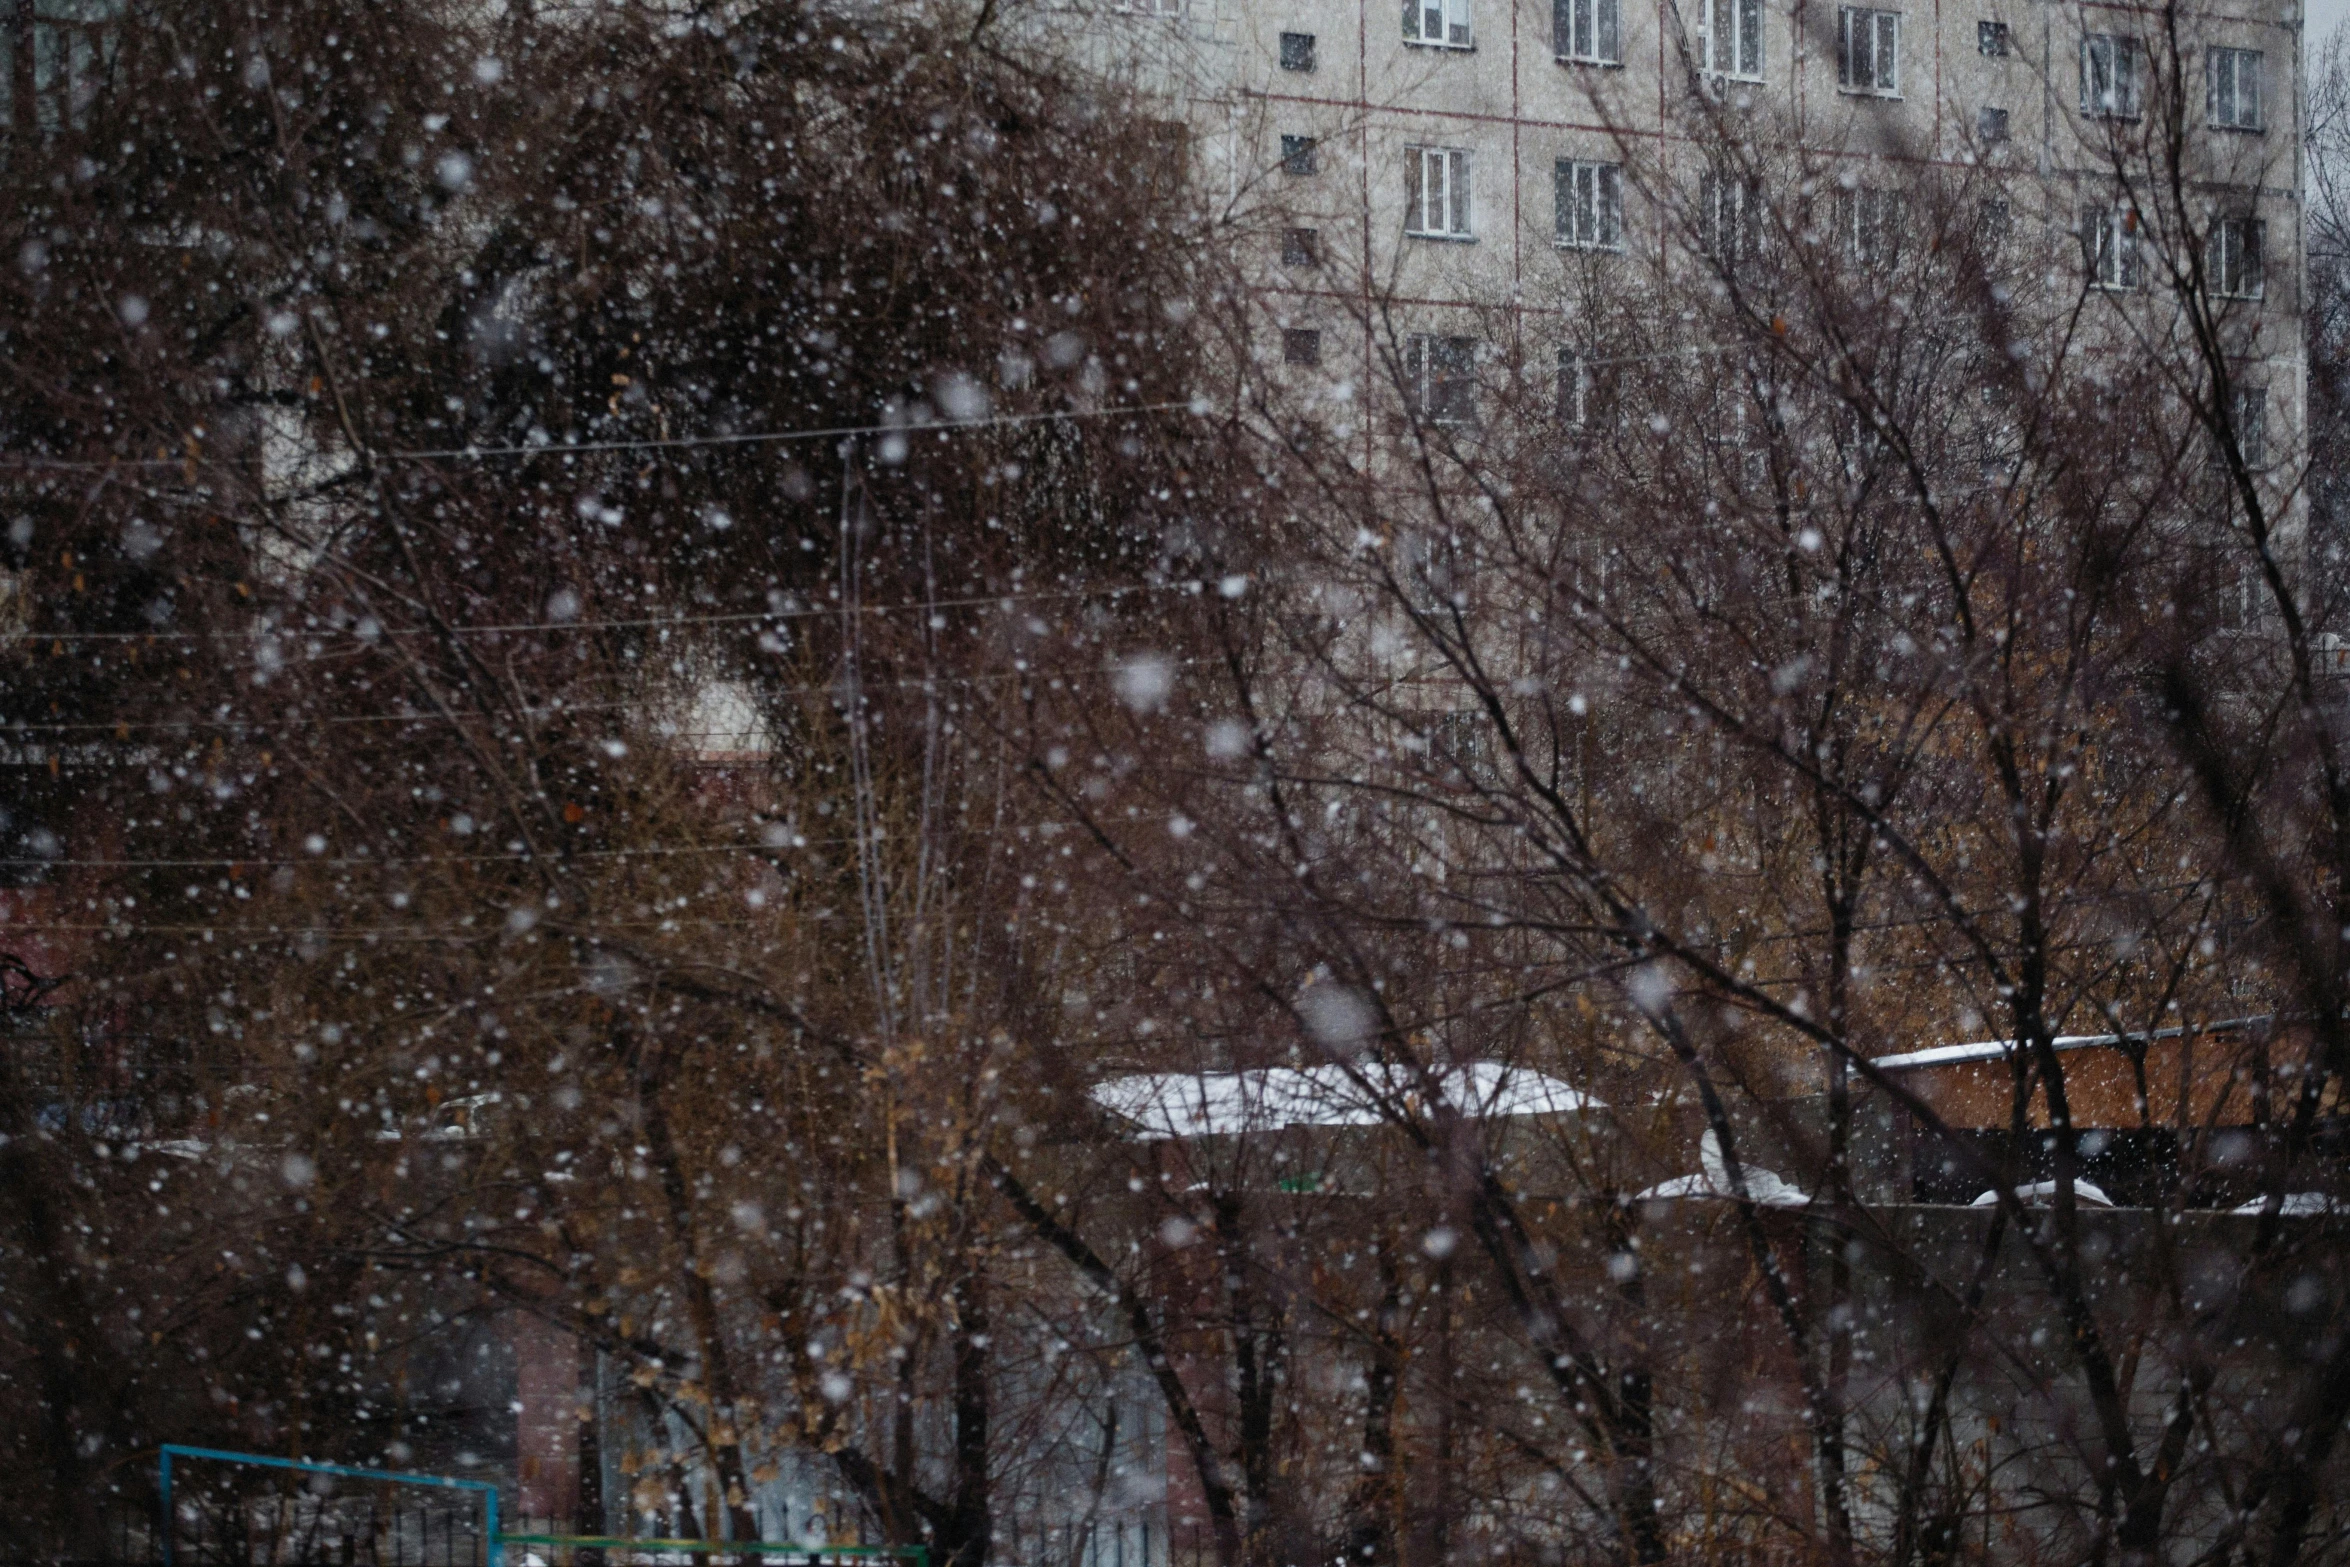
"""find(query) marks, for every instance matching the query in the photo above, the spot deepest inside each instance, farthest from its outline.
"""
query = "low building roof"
(1178, 1105)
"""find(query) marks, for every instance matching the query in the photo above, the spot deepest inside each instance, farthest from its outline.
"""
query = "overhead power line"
(1197, 406)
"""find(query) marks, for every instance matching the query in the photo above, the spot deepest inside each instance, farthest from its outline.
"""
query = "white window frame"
(1438, 24)
(1589, 211)
(1573, 390)
(1588, 32)
(2112, 76)
(2233, 259)
(1439, 193)
(1421, 353)
(2250, 419)
(2109, 246)
(2232, 89)
(1730, 39)
(1868, 52)
(1869, 223)
(1729, 217)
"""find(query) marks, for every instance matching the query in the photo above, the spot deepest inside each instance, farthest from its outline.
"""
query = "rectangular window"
(1443, 24)
(1297, 155)
(1729, 38)
(2109, 246)
(1588, 30)
(1301, 247)
(1590, 205)
(2233, 83)
(1990, 125)
(1301, 345)
(2233, 263)
(2110, 67)
(1993, 220)
(1992, 40)
(1440, 378)
(1436, 192)
(1868, 224)
(1297, 51)
(1868, 51)
(1574, 390)
(2251, 413)
(1729, 216)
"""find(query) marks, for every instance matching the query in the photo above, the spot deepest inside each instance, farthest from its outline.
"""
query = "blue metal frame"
(491, 1546)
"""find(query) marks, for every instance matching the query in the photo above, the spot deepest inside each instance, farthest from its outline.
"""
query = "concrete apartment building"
(1451, 156)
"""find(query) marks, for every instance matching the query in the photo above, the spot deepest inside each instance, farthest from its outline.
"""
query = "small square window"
(1301, 345)
(1301, 247)
(1993, 41)
(1990, 125)
(1297, 51)
(1297, 155)
(1993, 220)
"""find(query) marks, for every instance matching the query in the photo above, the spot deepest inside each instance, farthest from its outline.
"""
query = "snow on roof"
(1222, 1104)
(1999, 1049)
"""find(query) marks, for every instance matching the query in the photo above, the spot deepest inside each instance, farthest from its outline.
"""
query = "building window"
(1442, 23)
(1301, 345)
(1574, 390)
(1990, 125)
(1729, 38)
(1729, 216)
(1297, 155)
(1297, 51)
(1868, 51)
(2234, 260)
(1590, 205)
(1440, 378)
(2109, 244)
(1436, 192)
(1868, 224)
(1993, 220)
(1588, 30)
(74, 47)
(2233, 81)
(1992, 40)
(2110, 67)
(1301, 247)
(2251, 419)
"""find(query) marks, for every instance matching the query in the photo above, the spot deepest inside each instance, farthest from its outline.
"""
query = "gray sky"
(2323, 16)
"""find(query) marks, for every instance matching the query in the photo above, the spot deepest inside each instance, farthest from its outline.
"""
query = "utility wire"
(668, 443)
(797, 612)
